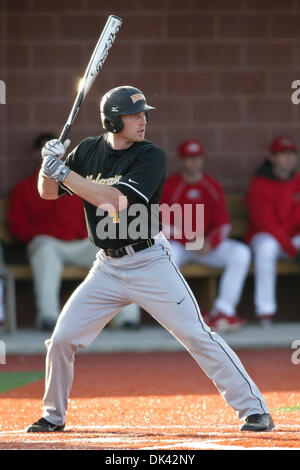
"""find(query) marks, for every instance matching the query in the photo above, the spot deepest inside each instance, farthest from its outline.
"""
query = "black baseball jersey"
(138, 172)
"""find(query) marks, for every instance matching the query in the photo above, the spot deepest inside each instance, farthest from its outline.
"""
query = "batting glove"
(55, 169)
(55, 148)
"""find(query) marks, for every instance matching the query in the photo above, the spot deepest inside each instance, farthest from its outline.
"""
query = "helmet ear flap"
(113, 124)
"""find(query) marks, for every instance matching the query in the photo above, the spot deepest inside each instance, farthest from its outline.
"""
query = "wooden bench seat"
(22, 272)
(191, 271)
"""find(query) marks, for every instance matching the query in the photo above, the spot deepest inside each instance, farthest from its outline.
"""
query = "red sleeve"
(18, 216)
(220, 226)
(29, 215)
(263, 218)
(168, 188)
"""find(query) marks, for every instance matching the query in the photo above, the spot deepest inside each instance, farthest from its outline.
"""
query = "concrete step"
(155, 338)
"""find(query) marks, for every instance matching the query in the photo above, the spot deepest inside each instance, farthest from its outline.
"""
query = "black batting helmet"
(118, 102)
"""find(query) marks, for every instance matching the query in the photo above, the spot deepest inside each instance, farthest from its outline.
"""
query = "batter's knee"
(59, 340)
(41, 244)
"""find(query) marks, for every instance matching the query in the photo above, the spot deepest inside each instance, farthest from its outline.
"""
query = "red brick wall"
(219, 70)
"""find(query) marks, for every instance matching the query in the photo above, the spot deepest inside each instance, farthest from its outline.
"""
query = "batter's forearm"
(100, 195)
(48, 188)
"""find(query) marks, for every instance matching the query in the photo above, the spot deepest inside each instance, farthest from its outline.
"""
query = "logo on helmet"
(137, 97)
(114, 109)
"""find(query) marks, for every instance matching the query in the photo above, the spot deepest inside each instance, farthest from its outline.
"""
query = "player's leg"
(46, 264)
(79, 252)
(180, 254)
(265, 318)
(128, 317)
(296, 241)
(266, 250)
(234, 257)
(88, 310)
(131, 313)
(162, 291)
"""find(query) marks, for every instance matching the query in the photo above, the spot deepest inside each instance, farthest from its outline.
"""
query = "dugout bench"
(206, 290)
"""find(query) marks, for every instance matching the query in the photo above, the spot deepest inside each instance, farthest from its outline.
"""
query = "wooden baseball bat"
(96, 62)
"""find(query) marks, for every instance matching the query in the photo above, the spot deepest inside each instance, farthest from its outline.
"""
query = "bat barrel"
(116, 17)
(96, 62)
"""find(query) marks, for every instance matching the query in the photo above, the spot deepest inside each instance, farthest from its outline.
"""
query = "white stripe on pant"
(150, 279)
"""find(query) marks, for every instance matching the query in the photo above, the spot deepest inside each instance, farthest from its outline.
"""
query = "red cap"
(190, 148)
(283, 144)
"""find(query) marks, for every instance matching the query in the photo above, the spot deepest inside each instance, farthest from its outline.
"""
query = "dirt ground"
(152, 401)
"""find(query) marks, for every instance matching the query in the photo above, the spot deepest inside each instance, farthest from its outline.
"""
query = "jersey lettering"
(110, 181)
(115, 216)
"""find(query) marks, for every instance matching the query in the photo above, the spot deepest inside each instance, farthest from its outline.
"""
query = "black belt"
(119, 252)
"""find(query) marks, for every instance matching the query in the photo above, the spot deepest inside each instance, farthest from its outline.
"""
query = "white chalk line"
(192, 445)
(175, 442)
(166, 428)
(207, 445)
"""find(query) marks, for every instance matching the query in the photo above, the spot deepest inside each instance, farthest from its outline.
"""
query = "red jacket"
(206, 191)
(29, 215)
(274, 207)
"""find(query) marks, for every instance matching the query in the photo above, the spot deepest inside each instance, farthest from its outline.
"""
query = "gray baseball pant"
(150, 279)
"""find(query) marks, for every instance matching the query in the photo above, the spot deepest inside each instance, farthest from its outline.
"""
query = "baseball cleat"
(258, 423)
(42, 425)
(225, 324)
(207, 318)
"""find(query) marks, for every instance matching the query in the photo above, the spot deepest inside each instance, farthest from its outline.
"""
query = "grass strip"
(11, 380)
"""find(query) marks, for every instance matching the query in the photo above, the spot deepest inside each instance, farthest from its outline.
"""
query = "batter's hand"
(55, 148)
(54, 168)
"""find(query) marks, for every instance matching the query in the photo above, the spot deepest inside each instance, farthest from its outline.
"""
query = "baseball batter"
(120, 175)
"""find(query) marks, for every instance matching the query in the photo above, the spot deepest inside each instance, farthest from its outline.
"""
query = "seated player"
(273, 201)
(193, 186)
(56, 234)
